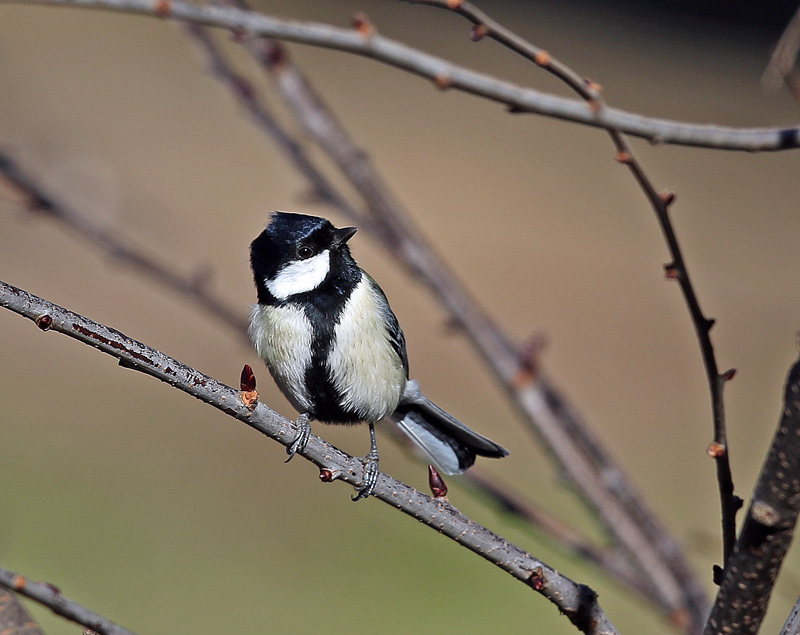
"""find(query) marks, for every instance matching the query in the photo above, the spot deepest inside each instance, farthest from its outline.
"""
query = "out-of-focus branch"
(448, 75)
(577, 601)
(782, 67)
(403, 240)
(193, 288)
(753, 567)
(49, 596)
(792, 624)
(14, 618)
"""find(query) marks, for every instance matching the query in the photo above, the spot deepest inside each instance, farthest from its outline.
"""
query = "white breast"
(282, 337)
(300, 276)
(366, 370)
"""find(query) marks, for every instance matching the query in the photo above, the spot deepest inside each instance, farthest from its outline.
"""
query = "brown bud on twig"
(248, 379)
(716, 450)
(479, 31)
(443, 81)
(671, 271)
(728, 374)
(454, 4)
(327, 476)
(536, 580)
(162, 8)
(623, 157)
(667, 197)
(436, 482)
(19, 582)
(44, 322)
(542, 58)
(361, 23)
(247, 385)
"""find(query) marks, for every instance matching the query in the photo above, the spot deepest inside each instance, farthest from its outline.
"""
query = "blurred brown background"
(169, 517)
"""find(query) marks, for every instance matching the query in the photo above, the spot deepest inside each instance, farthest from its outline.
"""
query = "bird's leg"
(303, 433)
(370, 477)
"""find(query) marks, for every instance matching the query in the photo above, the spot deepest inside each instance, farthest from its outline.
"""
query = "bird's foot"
(369, 478)
(303, 434)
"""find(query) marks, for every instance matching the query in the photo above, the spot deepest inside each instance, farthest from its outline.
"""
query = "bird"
(335, 348)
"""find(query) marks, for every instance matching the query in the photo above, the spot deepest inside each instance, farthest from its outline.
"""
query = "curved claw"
(303, 434)
(369, 479)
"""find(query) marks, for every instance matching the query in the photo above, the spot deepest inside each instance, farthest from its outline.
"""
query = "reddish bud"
(19, 582)
(442, 82)
(436, 482)
(593, 86)
(671, 271)
(362, 24)
(454, 4)
(162, 8)
(542, 58)
(716, 450)
(623, 157)
(248, 380)
(728, 374)
(536, 580)
(326, 476)
(667, 197)
(479, 31)
(44, 322)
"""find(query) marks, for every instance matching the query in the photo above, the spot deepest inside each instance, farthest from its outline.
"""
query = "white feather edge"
(437, 450)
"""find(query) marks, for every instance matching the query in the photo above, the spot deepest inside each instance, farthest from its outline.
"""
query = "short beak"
(341, 236)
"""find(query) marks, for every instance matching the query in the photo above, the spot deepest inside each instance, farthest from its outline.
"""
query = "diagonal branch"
(448, 75)
(49, 596)
(577, 601)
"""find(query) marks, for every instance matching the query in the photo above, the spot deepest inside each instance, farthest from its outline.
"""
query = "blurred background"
(167, 516)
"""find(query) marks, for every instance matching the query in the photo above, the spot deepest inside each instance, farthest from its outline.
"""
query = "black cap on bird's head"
(306, 248)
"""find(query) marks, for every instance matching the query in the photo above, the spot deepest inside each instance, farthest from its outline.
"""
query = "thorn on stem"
(44, 322)
(436, 482)
(716, 450)
(479, 31)
(728, 374)
(710, 322)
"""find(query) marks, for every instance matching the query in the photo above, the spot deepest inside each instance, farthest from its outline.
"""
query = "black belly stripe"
(323, 307)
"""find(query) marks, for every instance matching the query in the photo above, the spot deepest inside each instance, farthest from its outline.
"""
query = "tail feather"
(450, 444)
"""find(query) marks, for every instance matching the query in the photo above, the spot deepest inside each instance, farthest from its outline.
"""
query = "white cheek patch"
(300, 276)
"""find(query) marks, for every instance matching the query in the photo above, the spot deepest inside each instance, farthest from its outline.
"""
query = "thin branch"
(792, 624)
(51, 597)
(578, 602)
(486, 26)
(753, 567)
(780, 69)
(120, 250)
(448, 75)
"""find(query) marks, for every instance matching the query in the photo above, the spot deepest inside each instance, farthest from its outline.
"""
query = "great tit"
(335, 349)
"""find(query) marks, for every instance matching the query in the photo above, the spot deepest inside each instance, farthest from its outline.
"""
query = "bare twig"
(49, 596)
(448, 75)
(753, 567)
(576, 601)
(792, 624)
(119, 249)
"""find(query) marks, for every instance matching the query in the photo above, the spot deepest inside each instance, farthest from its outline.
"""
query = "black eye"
(304, 252)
